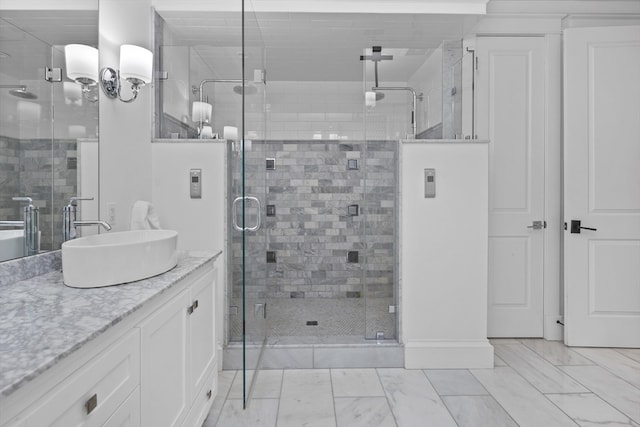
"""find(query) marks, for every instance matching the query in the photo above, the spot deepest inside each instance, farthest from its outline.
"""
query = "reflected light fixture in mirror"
(201, 114)
(136, 65)
(370, 99)
(82, 66)
(72, 93)
(206, 133)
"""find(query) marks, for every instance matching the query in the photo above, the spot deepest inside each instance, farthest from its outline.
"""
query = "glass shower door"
(247, 204)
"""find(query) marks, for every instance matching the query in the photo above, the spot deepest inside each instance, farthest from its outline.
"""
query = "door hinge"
(53, 74)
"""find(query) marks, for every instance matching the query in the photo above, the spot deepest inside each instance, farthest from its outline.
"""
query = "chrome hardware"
(260, 310)
(235, 213)
(192, 307)
(538, 225)
(69, 222)
(576, 227)
(53, 74)
(209, 394)
(31, 225)
(91, 404)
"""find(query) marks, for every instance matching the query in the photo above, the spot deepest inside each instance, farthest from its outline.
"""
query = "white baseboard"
(423, 354)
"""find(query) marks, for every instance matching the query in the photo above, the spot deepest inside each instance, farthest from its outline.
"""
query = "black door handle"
(576, 227)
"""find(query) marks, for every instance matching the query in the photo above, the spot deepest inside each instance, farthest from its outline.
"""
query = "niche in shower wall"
(314, 234)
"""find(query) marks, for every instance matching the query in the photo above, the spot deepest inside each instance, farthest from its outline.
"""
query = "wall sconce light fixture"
(82, 66)
(136, 65)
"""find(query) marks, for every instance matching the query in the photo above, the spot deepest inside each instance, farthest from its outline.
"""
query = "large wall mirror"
(48, 126)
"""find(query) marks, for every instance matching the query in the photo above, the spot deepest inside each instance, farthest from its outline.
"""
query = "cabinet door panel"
(201, 329)
(164, 340)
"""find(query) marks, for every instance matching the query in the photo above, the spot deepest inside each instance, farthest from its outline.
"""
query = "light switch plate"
(195, 183)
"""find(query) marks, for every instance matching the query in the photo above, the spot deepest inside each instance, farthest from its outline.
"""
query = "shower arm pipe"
(205, 81)
(20, 87)
(414, 124)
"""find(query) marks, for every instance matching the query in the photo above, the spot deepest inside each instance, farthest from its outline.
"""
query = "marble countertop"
(42, 321)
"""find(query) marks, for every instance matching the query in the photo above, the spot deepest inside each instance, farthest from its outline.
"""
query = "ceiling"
(26, 38)
(298, 46)
(313, 46)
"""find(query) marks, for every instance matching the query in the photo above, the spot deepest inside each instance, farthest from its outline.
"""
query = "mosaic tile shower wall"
(326, 251)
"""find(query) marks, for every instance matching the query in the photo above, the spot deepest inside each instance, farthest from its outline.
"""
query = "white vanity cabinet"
(178, 355)
(156, 367)
(91, 394)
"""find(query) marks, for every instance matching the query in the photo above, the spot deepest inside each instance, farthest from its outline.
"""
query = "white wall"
(200, 223)
(125, 131)
(443, 260)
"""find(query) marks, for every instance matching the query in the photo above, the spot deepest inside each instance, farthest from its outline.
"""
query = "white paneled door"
(602, 186)
(510, 90)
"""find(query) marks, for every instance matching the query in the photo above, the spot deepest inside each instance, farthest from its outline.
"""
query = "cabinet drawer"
(203, 401)
(92, 394)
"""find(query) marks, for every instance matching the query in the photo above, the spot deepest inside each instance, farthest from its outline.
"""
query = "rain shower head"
(376, 56)
(19, 91)
(23, 93)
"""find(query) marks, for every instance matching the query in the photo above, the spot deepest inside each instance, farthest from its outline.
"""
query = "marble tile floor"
(534, 383)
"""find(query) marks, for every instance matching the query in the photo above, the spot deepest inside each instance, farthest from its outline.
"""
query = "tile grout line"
(440, 397)
(333, 397)
(536, 390)
(615, 374)
(603, 398)
(570, 376)
(226, 398)
(568, 348)
(550, 364)
(279, 397)
(386, 396)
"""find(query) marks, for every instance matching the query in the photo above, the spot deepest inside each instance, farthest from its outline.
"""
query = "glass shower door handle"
(235, 213)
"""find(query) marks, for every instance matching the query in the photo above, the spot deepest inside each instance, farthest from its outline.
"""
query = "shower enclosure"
(320, 248)
(311, 181)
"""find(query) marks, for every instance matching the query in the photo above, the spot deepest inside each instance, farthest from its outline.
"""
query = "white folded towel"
(143, 216)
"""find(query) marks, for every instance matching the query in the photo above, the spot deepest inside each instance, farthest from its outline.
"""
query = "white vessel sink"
(120, 257)
(11, 244)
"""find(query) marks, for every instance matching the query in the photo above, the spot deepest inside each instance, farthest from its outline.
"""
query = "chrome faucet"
(30, 224)
(69, 222)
